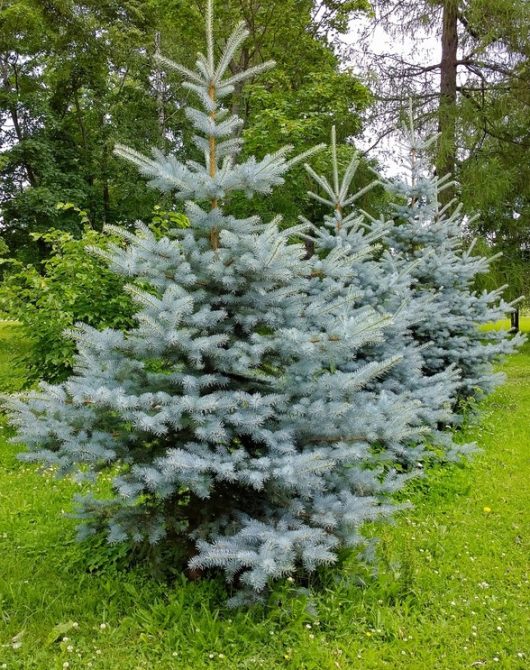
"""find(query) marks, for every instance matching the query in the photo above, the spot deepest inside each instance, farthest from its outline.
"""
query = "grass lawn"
(452, 590)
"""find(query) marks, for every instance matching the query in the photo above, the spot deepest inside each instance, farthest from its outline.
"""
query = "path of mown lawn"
(452, 592)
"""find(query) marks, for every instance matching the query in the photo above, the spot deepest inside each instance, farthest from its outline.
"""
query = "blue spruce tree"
(431, 237)
(235, 420)
(383, 280)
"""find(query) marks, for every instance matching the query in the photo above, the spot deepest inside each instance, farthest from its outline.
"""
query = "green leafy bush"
(72, 285)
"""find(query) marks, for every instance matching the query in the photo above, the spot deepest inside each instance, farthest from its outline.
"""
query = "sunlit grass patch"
(504, 324)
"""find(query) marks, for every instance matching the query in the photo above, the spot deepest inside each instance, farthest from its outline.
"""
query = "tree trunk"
(446, 160)
(514, 318)
(237, 97)
(159, 88)
(12, 108)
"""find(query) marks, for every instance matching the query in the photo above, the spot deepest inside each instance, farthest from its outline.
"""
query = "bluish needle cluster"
(431, 237)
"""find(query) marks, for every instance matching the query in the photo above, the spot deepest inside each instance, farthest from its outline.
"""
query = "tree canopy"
(77, 77)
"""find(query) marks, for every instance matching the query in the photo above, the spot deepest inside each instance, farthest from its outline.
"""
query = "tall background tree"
(78, 76)
(472, 86)
(72, 73)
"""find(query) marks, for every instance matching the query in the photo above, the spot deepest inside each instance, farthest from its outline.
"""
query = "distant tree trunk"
(159, 88)
(106, 200)
(12, 108)
(244, 63)
(514, 318)
(446, 160)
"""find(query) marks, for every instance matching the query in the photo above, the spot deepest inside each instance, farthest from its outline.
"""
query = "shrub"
(73, 285)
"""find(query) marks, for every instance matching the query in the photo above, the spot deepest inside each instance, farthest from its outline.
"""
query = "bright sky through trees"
(378, 139)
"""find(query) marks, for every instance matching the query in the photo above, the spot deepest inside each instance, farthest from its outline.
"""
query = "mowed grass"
(452, 589)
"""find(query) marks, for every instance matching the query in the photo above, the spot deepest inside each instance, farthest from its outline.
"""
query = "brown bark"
(338, 209)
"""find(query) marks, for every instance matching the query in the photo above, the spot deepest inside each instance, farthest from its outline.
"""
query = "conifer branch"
(184, 71)
(339, 438)
(249, 73)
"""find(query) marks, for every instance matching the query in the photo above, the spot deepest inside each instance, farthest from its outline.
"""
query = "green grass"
(452, 590)
(524, 324)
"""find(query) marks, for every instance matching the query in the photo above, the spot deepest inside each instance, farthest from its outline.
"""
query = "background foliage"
(72, 286)
(78, 76)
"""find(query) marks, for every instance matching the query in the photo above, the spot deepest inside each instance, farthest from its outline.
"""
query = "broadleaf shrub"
(72, 285)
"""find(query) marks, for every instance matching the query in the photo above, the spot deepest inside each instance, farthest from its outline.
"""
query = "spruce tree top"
(383, 280)
(216, 136)
(445, 268)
